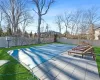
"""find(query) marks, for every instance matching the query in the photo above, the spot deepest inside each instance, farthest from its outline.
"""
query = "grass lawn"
(97, 52)
(14, 70)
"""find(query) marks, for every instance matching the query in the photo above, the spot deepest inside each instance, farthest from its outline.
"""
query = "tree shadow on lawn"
(11, 69)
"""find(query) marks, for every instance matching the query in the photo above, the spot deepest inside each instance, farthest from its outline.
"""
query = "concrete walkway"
(2, 62)
(65, 67)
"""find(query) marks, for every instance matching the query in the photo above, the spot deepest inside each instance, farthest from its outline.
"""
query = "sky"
(58, 8)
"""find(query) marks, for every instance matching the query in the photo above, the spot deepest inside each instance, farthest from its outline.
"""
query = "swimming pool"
(34, 56)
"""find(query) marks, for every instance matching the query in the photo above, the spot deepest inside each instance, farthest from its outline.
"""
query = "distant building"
(97, 33)
(93, 33)
(48, 34)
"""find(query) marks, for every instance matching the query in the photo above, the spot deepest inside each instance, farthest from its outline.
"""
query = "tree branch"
(35, 11)
(51, 1)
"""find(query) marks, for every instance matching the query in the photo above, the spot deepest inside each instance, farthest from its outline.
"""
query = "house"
(93, 33)
(48, 34)
(97, 33)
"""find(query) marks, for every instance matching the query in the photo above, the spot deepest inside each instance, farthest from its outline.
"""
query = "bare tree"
(13, 11)
(75, 22)
(58, 21)
(83, 23)
(27, 20)
(92, 19)
(42, 29)
(67, 18)
(42, 9)
(91, 32)
(92, 15)
(47, 28)
(0, 18)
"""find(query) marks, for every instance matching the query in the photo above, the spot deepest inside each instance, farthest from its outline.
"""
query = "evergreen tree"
(26, 34)
(31, 34)
(1, 32)
(9, 32)
(19, 32)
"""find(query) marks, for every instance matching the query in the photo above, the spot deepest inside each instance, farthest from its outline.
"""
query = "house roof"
(97, 28)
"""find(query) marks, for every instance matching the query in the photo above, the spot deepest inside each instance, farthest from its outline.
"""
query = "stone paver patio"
(66, 67)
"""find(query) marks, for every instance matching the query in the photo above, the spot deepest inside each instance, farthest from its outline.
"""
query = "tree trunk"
(66, 30)
(77, 29)
(39, 34)
(72, 30)
(59, 29)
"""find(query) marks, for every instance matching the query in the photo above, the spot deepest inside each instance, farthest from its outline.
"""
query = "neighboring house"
(93, 33)
(48, 34)
(97, 33)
